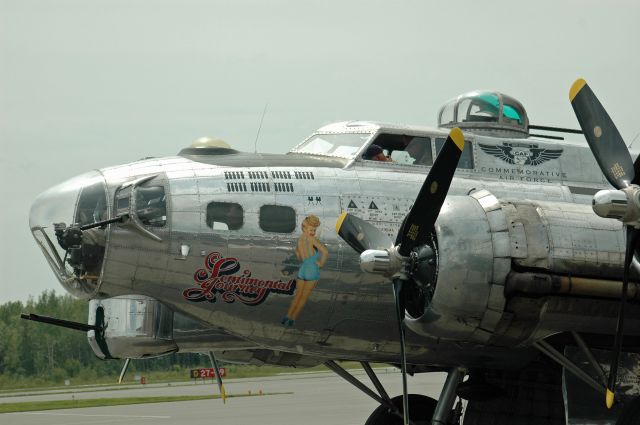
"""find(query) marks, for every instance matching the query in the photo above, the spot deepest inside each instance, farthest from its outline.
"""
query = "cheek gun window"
(225, 216)
(151, 205)
(277, 219)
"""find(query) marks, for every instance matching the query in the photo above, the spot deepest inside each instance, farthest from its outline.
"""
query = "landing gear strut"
(442, 414)
(422, 409)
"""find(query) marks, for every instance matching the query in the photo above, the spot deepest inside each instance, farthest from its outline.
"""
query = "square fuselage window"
(277, 219)
(225, 216)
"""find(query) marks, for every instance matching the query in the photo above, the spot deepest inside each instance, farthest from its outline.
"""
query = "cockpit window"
(403, 149)
(466, 158)
(419, 148)
(343, 145)
(151, 205)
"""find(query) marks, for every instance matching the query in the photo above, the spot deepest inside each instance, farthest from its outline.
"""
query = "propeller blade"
(426, 208)
(616, 164)
(632, 241)
(361, 235)
(397, 294)
(603, 137)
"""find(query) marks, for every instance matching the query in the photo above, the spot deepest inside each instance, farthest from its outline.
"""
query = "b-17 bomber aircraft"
(504, 258)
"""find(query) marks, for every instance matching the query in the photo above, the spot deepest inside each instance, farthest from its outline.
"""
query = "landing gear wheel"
(630, 414)
(532, 396)
(421, 410)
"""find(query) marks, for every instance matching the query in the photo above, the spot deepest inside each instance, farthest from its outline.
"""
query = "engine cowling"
(483, 242)
(473, 260)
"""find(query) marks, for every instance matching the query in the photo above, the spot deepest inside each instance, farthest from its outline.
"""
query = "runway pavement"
(319, 398)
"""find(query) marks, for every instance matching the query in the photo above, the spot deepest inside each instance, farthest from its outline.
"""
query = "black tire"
(630, 413)
(532, 396)
(421, 410)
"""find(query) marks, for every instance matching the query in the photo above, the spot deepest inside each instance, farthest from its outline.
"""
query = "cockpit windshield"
(343, 145)
(62, 222)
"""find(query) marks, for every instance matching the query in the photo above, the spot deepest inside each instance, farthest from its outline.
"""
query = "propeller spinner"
(377, 252)
(616, 164)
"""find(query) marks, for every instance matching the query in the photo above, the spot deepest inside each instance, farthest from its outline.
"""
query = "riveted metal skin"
(479, 241)
(498, 216)
(135, 326)
(131, 327)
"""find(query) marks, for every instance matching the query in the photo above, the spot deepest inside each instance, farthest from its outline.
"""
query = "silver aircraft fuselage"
(517, 208)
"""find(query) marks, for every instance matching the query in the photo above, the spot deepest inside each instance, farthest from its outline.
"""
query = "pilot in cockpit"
(375, 153)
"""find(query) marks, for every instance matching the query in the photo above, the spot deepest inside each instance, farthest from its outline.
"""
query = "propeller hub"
(422, 265)
(610, 204)
(623, 204)
(378, 261)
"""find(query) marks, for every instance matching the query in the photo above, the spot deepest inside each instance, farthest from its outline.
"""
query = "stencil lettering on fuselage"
(386, 213)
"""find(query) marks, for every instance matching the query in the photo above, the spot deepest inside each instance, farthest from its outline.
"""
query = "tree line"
(46, 353)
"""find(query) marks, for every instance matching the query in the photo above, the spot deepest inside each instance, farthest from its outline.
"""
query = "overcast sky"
(86, 84)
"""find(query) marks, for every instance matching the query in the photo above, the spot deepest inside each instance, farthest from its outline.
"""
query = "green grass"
(31, 406)
(75, 390)
(13, 383)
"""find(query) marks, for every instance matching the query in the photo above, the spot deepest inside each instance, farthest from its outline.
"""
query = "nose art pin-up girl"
(313, 255)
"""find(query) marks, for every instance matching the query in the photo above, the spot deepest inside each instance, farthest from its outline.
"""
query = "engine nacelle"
(480, 240)
(133, 326)
(474, 258)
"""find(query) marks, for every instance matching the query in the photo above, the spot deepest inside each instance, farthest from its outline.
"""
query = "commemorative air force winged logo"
(521, 153)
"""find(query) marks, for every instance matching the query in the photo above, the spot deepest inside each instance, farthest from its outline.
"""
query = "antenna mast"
(255, 144)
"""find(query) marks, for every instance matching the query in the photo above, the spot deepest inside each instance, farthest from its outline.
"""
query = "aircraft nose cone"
(54, 220)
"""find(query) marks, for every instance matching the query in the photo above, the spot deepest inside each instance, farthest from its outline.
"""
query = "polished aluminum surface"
(521, 204)
(131, 327)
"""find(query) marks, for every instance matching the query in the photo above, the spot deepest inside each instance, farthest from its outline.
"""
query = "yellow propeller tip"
(576, 87)
(457, 137)
(340, 221)
(609, 399)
